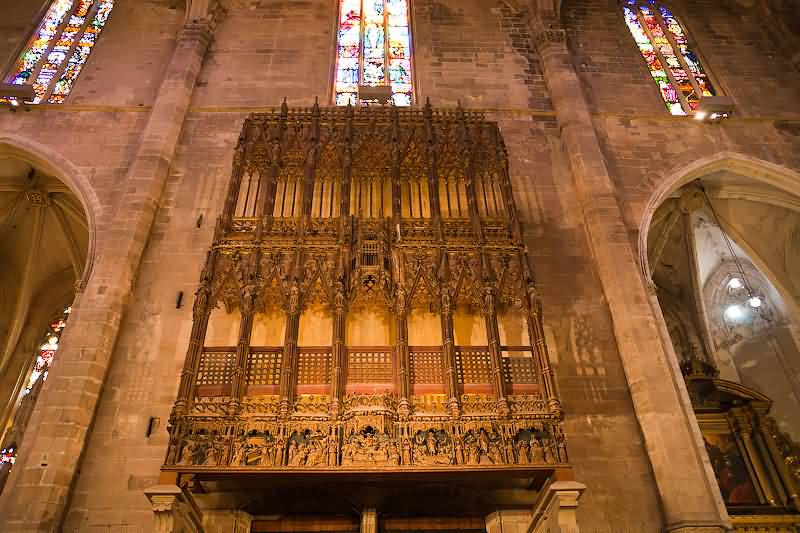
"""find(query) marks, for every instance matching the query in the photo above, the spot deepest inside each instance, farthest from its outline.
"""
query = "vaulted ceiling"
(43, 247)
(762, 219)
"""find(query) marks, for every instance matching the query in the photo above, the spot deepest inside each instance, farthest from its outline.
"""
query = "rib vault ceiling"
(43, 247)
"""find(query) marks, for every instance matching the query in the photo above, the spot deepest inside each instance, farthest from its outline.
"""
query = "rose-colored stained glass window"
(373, 48)
(675, 68)
(59, 48)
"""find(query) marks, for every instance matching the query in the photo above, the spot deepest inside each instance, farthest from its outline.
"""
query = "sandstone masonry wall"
(475, 51)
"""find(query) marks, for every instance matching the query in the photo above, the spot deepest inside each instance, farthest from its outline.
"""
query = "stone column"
(174, 511)
(40, 482)
(689, 494)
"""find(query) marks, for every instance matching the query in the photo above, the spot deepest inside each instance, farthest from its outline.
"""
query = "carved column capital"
(174, 511)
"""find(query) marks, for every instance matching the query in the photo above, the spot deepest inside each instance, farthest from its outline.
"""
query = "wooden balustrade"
(369, 370)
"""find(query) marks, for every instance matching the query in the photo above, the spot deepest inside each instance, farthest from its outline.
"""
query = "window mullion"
(53, 41)
(76, 40)
(362, 57)
(386, 78)
(679, 54)
(664, 65)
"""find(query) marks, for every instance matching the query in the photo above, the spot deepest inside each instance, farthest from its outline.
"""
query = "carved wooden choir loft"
(343, 226)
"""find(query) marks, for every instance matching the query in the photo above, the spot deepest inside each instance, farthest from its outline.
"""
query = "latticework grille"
(369, 366)
(519, 370)
(216, 367)
(473, 365)
(314, 366)
(264, 367)
(426, 366)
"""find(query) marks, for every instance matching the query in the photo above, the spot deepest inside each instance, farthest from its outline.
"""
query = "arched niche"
(47, 212)
(696, 222)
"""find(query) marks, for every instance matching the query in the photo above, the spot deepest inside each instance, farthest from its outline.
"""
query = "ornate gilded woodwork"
(341, 210)
(755, 463)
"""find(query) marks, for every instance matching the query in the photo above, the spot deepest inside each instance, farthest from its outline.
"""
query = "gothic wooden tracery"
(339, 214)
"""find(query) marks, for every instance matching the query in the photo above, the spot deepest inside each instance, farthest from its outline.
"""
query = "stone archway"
(737, 185)
(51, 163)
(730, 218)
(47, 235)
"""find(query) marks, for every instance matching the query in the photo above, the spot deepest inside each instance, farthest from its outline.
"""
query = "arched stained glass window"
(59, 47)
(665, 48)
(37, 374)
(374, 48)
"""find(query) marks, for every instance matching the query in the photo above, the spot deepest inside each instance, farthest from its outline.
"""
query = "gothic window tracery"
(664, 45)
(37, 375)
(373, 49)
(59, 48)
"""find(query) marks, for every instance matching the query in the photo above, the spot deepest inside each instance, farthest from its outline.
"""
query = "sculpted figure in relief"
(432, 448)
(406, 446)
(537, 453)
(522, 452)
(187, 452)
(510, 451)
(239, 452)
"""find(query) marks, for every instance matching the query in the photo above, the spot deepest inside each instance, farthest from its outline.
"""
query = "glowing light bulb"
(734, 313)
(755, 302)
(735, 283)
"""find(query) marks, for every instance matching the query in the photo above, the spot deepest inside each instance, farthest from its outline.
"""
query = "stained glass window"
(47, 351)
(374, 48)
(59, 48)
(665, 48)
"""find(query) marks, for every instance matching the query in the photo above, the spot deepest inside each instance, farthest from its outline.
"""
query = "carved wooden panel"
(369, 365)
(473, 365)
(314, 366)
(264, 366)
(426, 366)
(333, 210)
(216, 367)
(520, 370)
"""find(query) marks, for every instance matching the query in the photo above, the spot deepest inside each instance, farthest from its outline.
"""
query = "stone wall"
(475, 51)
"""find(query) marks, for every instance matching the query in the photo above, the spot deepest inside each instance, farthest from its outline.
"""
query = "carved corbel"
(556, 509)
(174, 510)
